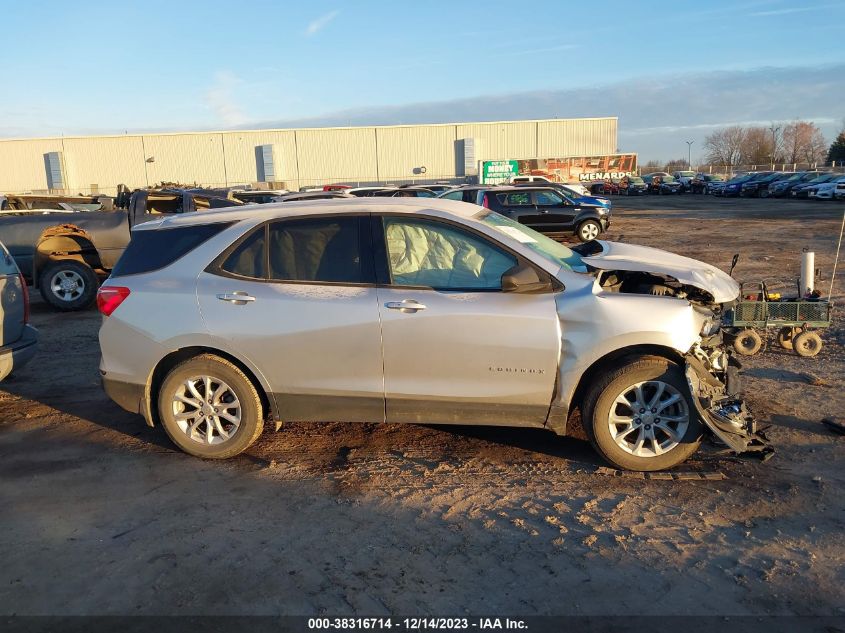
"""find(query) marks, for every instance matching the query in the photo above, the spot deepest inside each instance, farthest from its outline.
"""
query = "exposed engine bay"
(645, 283)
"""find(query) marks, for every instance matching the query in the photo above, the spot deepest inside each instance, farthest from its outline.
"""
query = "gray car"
(18, 339)
(416, 310)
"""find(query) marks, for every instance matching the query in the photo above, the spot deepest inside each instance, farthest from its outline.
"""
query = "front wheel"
(588, 230)
(641, 416)
(807, 343)
(68, 285)
(747, 343)
(210, 408)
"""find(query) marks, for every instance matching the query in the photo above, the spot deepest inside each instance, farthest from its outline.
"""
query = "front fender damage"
(724, 412)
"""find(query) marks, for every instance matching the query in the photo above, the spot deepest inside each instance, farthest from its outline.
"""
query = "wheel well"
(615, 357)
(74, 246)
(174, 358)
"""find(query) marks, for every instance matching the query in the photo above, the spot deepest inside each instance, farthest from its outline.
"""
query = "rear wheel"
(210, 408)
(807, 343)
(588, 230)
(68, 285)
(641, 416)
(747, 343)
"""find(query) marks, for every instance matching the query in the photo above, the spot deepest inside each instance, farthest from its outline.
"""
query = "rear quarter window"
(153, 250)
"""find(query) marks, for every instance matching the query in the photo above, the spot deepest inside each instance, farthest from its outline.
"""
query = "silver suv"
(415, 310)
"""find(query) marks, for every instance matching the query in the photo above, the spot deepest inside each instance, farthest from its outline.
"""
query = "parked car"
(684, 177)
(759, 187)
(547, 210)
(19, 204)
(825, 190)
(465, 193)
(783, 186)
(605, 187)
(416, 311)
(437, 188)
(18, 339)
(312, 195)
(366, 192)
(576, 187)
(574, 195)
(839, 192)
(803, 190)
(406, 192)
(706, 183)
(633, 186)
(733, 187)
(258, 196)
(66, 254)
(662, 184)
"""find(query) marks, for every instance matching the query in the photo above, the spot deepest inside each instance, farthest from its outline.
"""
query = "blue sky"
(104, 67)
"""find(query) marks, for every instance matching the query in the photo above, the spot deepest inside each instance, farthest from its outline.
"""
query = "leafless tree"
(803, 142)
(724, 147)
(756, 146)
(678, 164)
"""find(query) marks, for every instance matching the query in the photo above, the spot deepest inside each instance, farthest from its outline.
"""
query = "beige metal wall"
(301, 157)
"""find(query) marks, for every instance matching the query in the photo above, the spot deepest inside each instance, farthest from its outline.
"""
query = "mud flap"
(725, 414)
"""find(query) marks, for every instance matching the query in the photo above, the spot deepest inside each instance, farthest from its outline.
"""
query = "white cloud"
(320, 23)
(221, 100)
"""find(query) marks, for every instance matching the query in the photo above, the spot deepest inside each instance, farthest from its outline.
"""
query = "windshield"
(545, 246)
(820, 179)
(737, 179)
(636, 180)
(686, 173)
(668, 179)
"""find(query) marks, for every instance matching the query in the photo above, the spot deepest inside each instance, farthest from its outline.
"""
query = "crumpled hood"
(619, 256)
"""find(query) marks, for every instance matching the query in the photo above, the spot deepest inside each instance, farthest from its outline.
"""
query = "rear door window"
(318, 250)
(547, 199)
(249, 259)
(515, 199)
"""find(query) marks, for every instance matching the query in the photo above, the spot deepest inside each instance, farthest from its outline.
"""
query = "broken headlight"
(710, 327)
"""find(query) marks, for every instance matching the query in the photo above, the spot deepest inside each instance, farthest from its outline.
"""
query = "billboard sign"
(494, 172)
(568, 169)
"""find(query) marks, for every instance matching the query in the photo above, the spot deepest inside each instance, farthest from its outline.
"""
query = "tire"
(588, 230)
(764, 193)
(68, 285)
(637, 444)
(747, 343)
(807, 344)
(785, 336)
(193, 438)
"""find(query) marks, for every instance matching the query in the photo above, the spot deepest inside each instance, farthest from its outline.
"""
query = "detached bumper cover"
(724, 412)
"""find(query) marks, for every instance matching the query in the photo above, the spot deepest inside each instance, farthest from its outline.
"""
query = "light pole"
(689, 154)
(774, 130)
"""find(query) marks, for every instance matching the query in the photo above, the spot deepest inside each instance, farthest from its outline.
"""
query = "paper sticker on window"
(516, 234)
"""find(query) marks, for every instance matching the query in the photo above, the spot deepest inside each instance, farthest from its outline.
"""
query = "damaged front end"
(713, 378)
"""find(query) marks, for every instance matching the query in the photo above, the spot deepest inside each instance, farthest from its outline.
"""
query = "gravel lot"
(101, 515)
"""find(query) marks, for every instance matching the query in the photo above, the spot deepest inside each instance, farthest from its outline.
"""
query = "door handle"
(238, 298)
(408, 306)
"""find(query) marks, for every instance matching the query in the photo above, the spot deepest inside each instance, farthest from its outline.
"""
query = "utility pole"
(774, 130)
(689, 154)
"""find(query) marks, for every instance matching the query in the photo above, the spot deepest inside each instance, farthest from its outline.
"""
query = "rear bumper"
(19, 353)
(126, 394)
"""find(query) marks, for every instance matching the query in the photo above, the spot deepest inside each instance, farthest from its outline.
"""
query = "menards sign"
(567, 169)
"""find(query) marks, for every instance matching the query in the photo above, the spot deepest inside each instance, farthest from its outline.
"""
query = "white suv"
(416, 310)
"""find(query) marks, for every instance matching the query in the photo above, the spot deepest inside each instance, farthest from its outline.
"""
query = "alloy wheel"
(649, 418)
(206, 409)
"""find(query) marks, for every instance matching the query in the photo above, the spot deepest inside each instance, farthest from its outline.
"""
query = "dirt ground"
(101, 515)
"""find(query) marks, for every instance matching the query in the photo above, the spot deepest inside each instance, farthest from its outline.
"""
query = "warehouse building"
(292, 158)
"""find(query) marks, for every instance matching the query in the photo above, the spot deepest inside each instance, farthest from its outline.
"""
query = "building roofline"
(297, 129)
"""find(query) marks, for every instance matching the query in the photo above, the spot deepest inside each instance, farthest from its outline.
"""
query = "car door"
(296, 297)
(561, 210)
(457, 349)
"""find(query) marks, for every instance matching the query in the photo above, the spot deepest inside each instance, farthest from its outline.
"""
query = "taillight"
(109, 298)
(485, 202)
(25, 299)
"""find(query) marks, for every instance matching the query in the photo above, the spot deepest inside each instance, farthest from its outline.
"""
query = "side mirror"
(523, 278)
